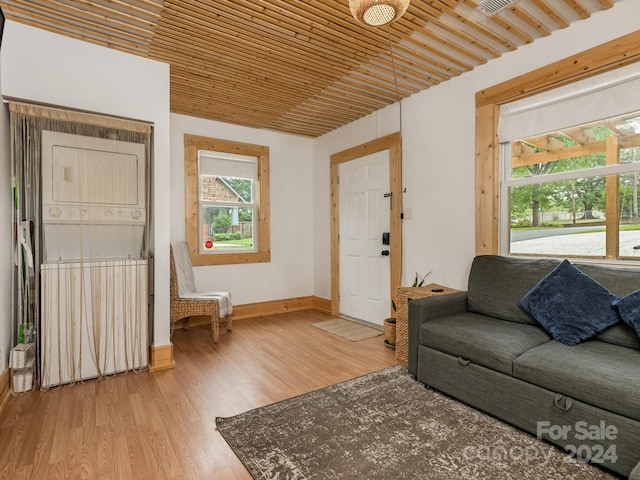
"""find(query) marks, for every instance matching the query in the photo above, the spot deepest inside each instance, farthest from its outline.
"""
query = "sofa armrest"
(430, 308)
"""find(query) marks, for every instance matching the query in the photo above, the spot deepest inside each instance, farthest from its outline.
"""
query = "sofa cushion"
(620, 334)
(597, 373)
(486, 341)
(496, 285)
(629, 309)
(570, 305)
(619, 280)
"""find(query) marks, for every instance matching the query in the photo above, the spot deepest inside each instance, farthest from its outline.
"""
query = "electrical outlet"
(407, 213)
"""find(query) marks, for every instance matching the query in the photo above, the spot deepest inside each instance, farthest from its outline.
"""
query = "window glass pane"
(226, 228)
(630, 155)
(214, 188)
(564, 218)
(629, 221)
(575, 148)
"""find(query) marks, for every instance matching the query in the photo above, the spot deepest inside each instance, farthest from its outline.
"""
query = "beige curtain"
(82, 314)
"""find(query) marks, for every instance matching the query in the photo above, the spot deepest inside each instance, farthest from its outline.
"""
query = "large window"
(227, 201)
(573, 192)
(609, 57)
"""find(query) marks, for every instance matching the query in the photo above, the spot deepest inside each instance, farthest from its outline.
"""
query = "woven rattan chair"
(186, 302)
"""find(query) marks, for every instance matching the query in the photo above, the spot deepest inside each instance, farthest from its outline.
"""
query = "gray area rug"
(387, 426)
(348, 329)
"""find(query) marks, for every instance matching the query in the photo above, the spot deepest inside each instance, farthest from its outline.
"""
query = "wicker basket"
(390, 330)
(402, 313)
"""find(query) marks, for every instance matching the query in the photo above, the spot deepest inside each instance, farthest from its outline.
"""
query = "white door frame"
(392, 143)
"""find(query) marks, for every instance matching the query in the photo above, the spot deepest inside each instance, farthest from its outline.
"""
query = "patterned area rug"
(387, 426)
(348, 329)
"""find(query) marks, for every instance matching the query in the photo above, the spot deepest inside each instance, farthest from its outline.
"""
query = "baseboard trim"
(5, 388)
(322, 304)
(161, 358)
(273, 307)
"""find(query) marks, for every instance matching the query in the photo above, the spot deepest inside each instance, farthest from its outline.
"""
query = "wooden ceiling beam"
(240, 16)
(502, 22)
(579, 9)
(91, 18)
(435, 67)
(430, 15)
(268, 100)
(551, 12)
(479, 28)
(529, 20)
(211, 31)
(111, 8)
(120, 41)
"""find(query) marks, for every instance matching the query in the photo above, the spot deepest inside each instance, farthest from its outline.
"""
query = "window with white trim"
(572, 191)
(227, 186)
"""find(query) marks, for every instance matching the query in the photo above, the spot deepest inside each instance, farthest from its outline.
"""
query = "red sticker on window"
(208, 244)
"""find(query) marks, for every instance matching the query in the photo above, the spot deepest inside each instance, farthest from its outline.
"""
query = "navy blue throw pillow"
(570, 305)
(629, 309)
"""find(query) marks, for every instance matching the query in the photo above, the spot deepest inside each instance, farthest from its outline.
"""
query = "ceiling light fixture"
(376, 13)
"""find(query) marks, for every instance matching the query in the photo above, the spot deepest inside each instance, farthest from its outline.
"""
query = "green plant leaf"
(418, 282)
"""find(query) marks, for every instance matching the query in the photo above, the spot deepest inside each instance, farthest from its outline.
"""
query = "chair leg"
(187, 323)
(215, 328)
(228, 323)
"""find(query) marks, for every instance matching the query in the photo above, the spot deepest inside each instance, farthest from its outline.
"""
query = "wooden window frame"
(603, 58)
(194, 143)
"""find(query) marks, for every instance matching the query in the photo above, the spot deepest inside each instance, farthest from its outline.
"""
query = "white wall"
(6, 259)
(439, 150)
(43, 67)
(290, 272)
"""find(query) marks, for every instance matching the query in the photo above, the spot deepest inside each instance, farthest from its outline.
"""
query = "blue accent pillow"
(629, 309)
(570, 305)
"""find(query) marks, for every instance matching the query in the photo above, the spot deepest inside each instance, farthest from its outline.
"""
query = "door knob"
(385, 253)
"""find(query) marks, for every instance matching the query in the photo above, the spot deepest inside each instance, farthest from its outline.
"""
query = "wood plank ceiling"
(302, 67)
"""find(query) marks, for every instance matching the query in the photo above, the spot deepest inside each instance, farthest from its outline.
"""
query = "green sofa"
(480, 347)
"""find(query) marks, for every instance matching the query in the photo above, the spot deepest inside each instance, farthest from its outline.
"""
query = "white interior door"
(364, 216)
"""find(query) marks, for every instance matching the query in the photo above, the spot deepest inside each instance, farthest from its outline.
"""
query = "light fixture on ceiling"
(376, 13)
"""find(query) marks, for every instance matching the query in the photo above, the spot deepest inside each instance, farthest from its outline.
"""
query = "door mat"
(348, 329)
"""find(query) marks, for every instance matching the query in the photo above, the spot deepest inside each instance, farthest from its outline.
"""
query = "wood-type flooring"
(162, 425)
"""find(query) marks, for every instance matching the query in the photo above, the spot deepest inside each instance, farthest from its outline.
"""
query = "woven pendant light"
(375, 13)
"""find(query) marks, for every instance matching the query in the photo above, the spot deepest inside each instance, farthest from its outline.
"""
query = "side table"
(402, 313)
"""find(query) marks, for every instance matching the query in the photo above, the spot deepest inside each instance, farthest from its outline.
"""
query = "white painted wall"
(40, 66)
(290, 272)
(6, 259)
(439, 149)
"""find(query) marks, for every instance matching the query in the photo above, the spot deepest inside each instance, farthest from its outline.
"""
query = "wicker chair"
(193, 303)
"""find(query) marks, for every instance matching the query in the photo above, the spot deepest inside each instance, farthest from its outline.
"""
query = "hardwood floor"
(162, 425)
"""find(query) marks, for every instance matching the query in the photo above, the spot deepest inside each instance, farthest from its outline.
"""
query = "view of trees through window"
(575, 192)
(227, 212)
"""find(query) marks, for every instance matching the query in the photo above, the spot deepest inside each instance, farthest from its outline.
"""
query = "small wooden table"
(402, 313)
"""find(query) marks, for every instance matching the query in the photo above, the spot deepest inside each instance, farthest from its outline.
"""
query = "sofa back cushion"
(620, 334)
(496, 284)
(618, 280)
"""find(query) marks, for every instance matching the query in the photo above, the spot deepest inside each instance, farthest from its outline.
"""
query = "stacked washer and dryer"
(94, 279)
